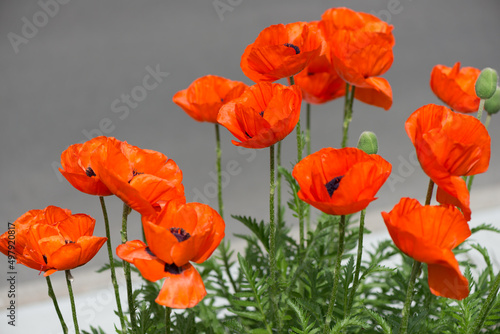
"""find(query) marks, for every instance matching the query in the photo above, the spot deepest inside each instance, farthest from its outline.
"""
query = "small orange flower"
(428, 234)
(319, 81)
(53, 239)
(144, 179)
(204, 97)
(77, 167)
(360, 50)
(179, 234)
(263, 115)
(280, 51)
(449, 145)
(456, 86)
(340, 181)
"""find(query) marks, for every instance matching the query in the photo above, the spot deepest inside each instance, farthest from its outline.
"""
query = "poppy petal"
(182, 290)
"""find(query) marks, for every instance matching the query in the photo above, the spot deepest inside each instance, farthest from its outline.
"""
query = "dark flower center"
(261, 113)
(180, 234)
(248, 135)
(90, 172)
(150, 252)
(333, 185)
(173, 269)
(295, 47)
(68, 242)
(44, 259)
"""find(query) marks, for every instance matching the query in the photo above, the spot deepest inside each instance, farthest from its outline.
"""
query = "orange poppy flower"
(360, 50)
(340, 181)
(53, 239)
(449, 145)
(428, 234)
(204, 97)
(280, 51)
(263, 115)
(144, 179)
(77, 167)
(455, 86)
(319, 81)
(179, 234)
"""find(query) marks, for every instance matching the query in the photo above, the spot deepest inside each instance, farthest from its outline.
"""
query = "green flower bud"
(486, 83)
(368, 142)
(492, 105)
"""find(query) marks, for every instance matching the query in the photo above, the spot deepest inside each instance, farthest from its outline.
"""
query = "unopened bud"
(368, 142)
(492, 105)
(486, 83)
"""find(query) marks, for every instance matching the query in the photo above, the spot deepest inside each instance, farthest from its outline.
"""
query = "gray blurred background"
(63, 82)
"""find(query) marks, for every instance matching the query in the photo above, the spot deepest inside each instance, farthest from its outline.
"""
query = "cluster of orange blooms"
(344, 47)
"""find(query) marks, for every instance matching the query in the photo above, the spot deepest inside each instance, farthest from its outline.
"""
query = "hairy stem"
(126, 268)
(336, 275)
(69, 278)
(52, 295)
(112, 263)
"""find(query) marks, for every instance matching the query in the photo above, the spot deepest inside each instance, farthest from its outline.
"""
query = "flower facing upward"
(179, 234)
(263, 115)
(455, 86)
(280, 51)
(428, 234)
(360, 50)
(340, 181)
(319, 81)
(53, 239)
(77, 167)
(449, 145)
(204, 97)
(143, 179)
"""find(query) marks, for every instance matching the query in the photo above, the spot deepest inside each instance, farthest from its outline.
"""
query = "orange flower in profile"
(144, 179)
(280, 51)
(204, 97)
(340, 181)
(360, 50)
(263, 115)
(449, 145)
(428, 234)
(179, 234)
(77, 167)
(319, 81)
(456, 86)
(53, 239)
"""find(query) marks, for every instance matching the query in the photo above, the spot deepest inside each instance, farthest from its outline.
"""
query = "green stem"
(486, 308)
(52, 295)
(69, 278)
(168, 323)
(308, 146)
(126, 268)
(336, 275)
(272, 236)
(112, 263)
(415, 271)
(349, 98)
(278, 200)
(487, 121)
(481, 108)
(299, 158)
(219, 178)
(355, 281)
